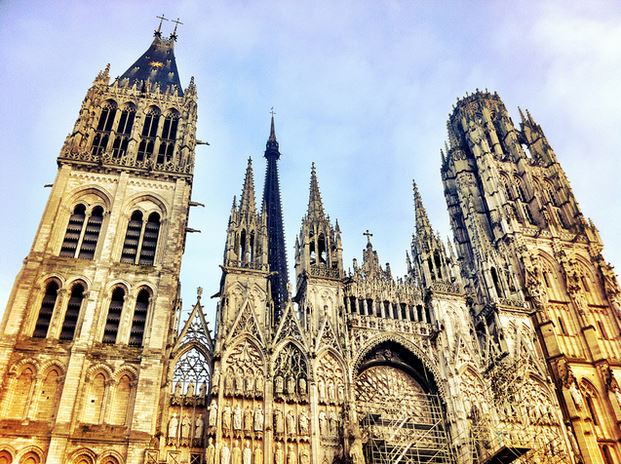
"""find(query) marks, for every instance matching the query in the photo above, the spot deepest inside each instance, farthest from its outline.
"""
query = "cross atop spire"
(272, 143)
(315, 205)
(158, 31)
(368, 235)
(173, 36)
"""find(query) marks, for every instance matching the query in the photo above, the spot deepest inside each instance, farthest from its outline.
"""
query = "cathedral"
(501, 345)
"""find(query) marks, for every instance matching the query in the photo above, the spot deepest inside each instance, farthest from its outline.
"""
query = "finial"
(368, 235)
(199, 293)
(173, 36)
(158, 31)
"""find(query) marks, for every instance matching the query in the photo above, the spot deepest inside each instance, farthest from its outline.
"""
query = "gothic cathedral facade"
(501, 345)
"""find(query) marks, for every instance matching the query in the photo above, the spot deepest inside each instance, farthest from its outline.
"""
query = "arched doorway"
(401, 415)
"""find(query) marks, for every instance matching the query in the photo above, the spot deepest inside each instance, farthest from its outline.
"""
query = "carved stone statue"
(202, 391)
(279, 455)
(248, 419)
(303, 423)
(191, 389)
(333, 423)
(226, 417)
(304, 457)
(185, 428)
(213, 413)
(237, 418)
(321, 387)
(239, 382)
(173, 425)
(178, 388)
(331, 392)
(290, 385)
(279, 425)
(259, 384)
(215, 380)
(302, 385)
(291, 429)
(249, 380)
(247, 454)
(291, 458)
(258, 419)
(225, 454)
(258, 455)
(279, 385)
(210, 453)
(323, 423)
(199, 425)
(236, 454)
(341, 393)
(228, 382)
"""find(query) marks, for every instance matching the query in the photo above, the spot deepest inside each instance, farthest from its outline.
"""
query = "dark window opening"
(132, 238)
(91, 234)
(242, 246)
(496, 281)
(46, 310)
(72, 313)
(149, 132)
(169, 136)
(592, 410)
(561, 325)
(114, 315)
(123, 131)
(104, 126)
(74, 231)
(136, 334)
(149, 240)
(321, 246)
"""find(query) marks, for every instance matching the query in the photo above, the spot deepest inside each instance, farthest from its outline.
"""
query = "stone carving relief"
(290, 374)
(244, 373)
(330, 380)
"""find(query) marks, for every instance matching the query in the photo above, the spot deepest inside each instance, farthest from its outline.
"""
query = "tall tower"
(531, 259)
(87, 332)
(277, 254)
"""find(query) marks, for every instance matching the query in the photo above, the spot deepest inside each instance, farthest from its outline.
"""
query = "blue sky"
(362, 88)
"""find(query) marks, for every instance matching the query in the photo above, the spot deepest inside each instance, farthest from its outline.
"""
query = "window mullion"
(82, 232)
(140, 240)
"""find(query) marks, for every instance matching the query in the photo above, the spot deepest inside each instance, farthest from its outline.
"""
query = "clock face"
(156, 64)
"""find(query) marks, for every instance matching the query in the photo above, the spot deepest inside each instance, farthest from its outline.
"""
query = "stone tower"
(87, 333)
(532, 261)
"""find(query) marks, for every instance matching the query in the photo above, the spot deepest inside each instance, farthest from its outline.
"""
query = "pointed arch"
(21, 386)
(72, 313)
(330, 376)
(96, 392)
(48, 392)
(115, 310)
(146, 148)
(168, 136)
(120, 406)
(139, 320)
(124, 130)
(107, 115)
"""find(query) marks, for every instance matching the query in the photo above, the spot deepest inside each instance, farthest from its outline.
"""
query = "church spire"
(315, 205)
(157, 65)
(277, 256)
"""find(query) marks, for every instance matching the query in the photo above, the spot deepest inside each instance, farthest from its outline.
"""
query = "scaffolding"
(409, 432)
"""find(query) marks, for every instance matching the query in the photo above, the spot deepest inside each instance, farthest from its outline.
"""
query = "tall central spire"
(277, 256)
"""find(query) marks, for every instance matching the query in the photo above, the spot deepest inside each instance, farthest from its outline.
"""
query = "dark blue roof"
(156, 64)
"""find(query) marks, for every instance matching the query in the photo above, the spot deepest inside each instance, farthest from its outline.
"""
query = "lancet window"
(104, 127)
(149, 133)
(114, 315)
(141, 239)
(139, 320)
(46, 310)
(72, 312)
(169, 137)
(82, 232)
(124, 130)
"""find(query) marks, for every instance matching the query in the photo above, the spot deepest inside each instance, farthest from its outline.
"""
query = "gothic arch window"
(121, 401)
(149, 133)
(191, 372)
(252, 246)
(74, 231)
(92, 412)
(521, 189)
(72, 313)
(290, 367)
(438, 263)
(496, 281)
(114, 315)
(139, 320)
(20, 393)
(321, 249)
(47, 309)
(30, 458)
(149, 240)
(82, 232)
(124, 130)
(104, 127)
(5, 457)
(242, 246)
(48, 394)
(169, 137)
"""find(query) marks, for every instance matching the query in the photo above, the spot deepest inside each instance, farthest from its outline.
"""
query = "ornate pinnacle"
(315, 205)
(423, 226)
(247, 202)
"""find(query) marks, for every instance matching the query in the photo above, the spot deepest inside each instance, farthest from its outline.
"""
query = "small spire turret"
(247, 203)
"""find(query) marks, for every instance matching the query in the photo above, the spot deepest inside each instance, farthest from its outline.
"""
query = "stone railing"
(108, 159)
(392, 325)
(238, 264)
